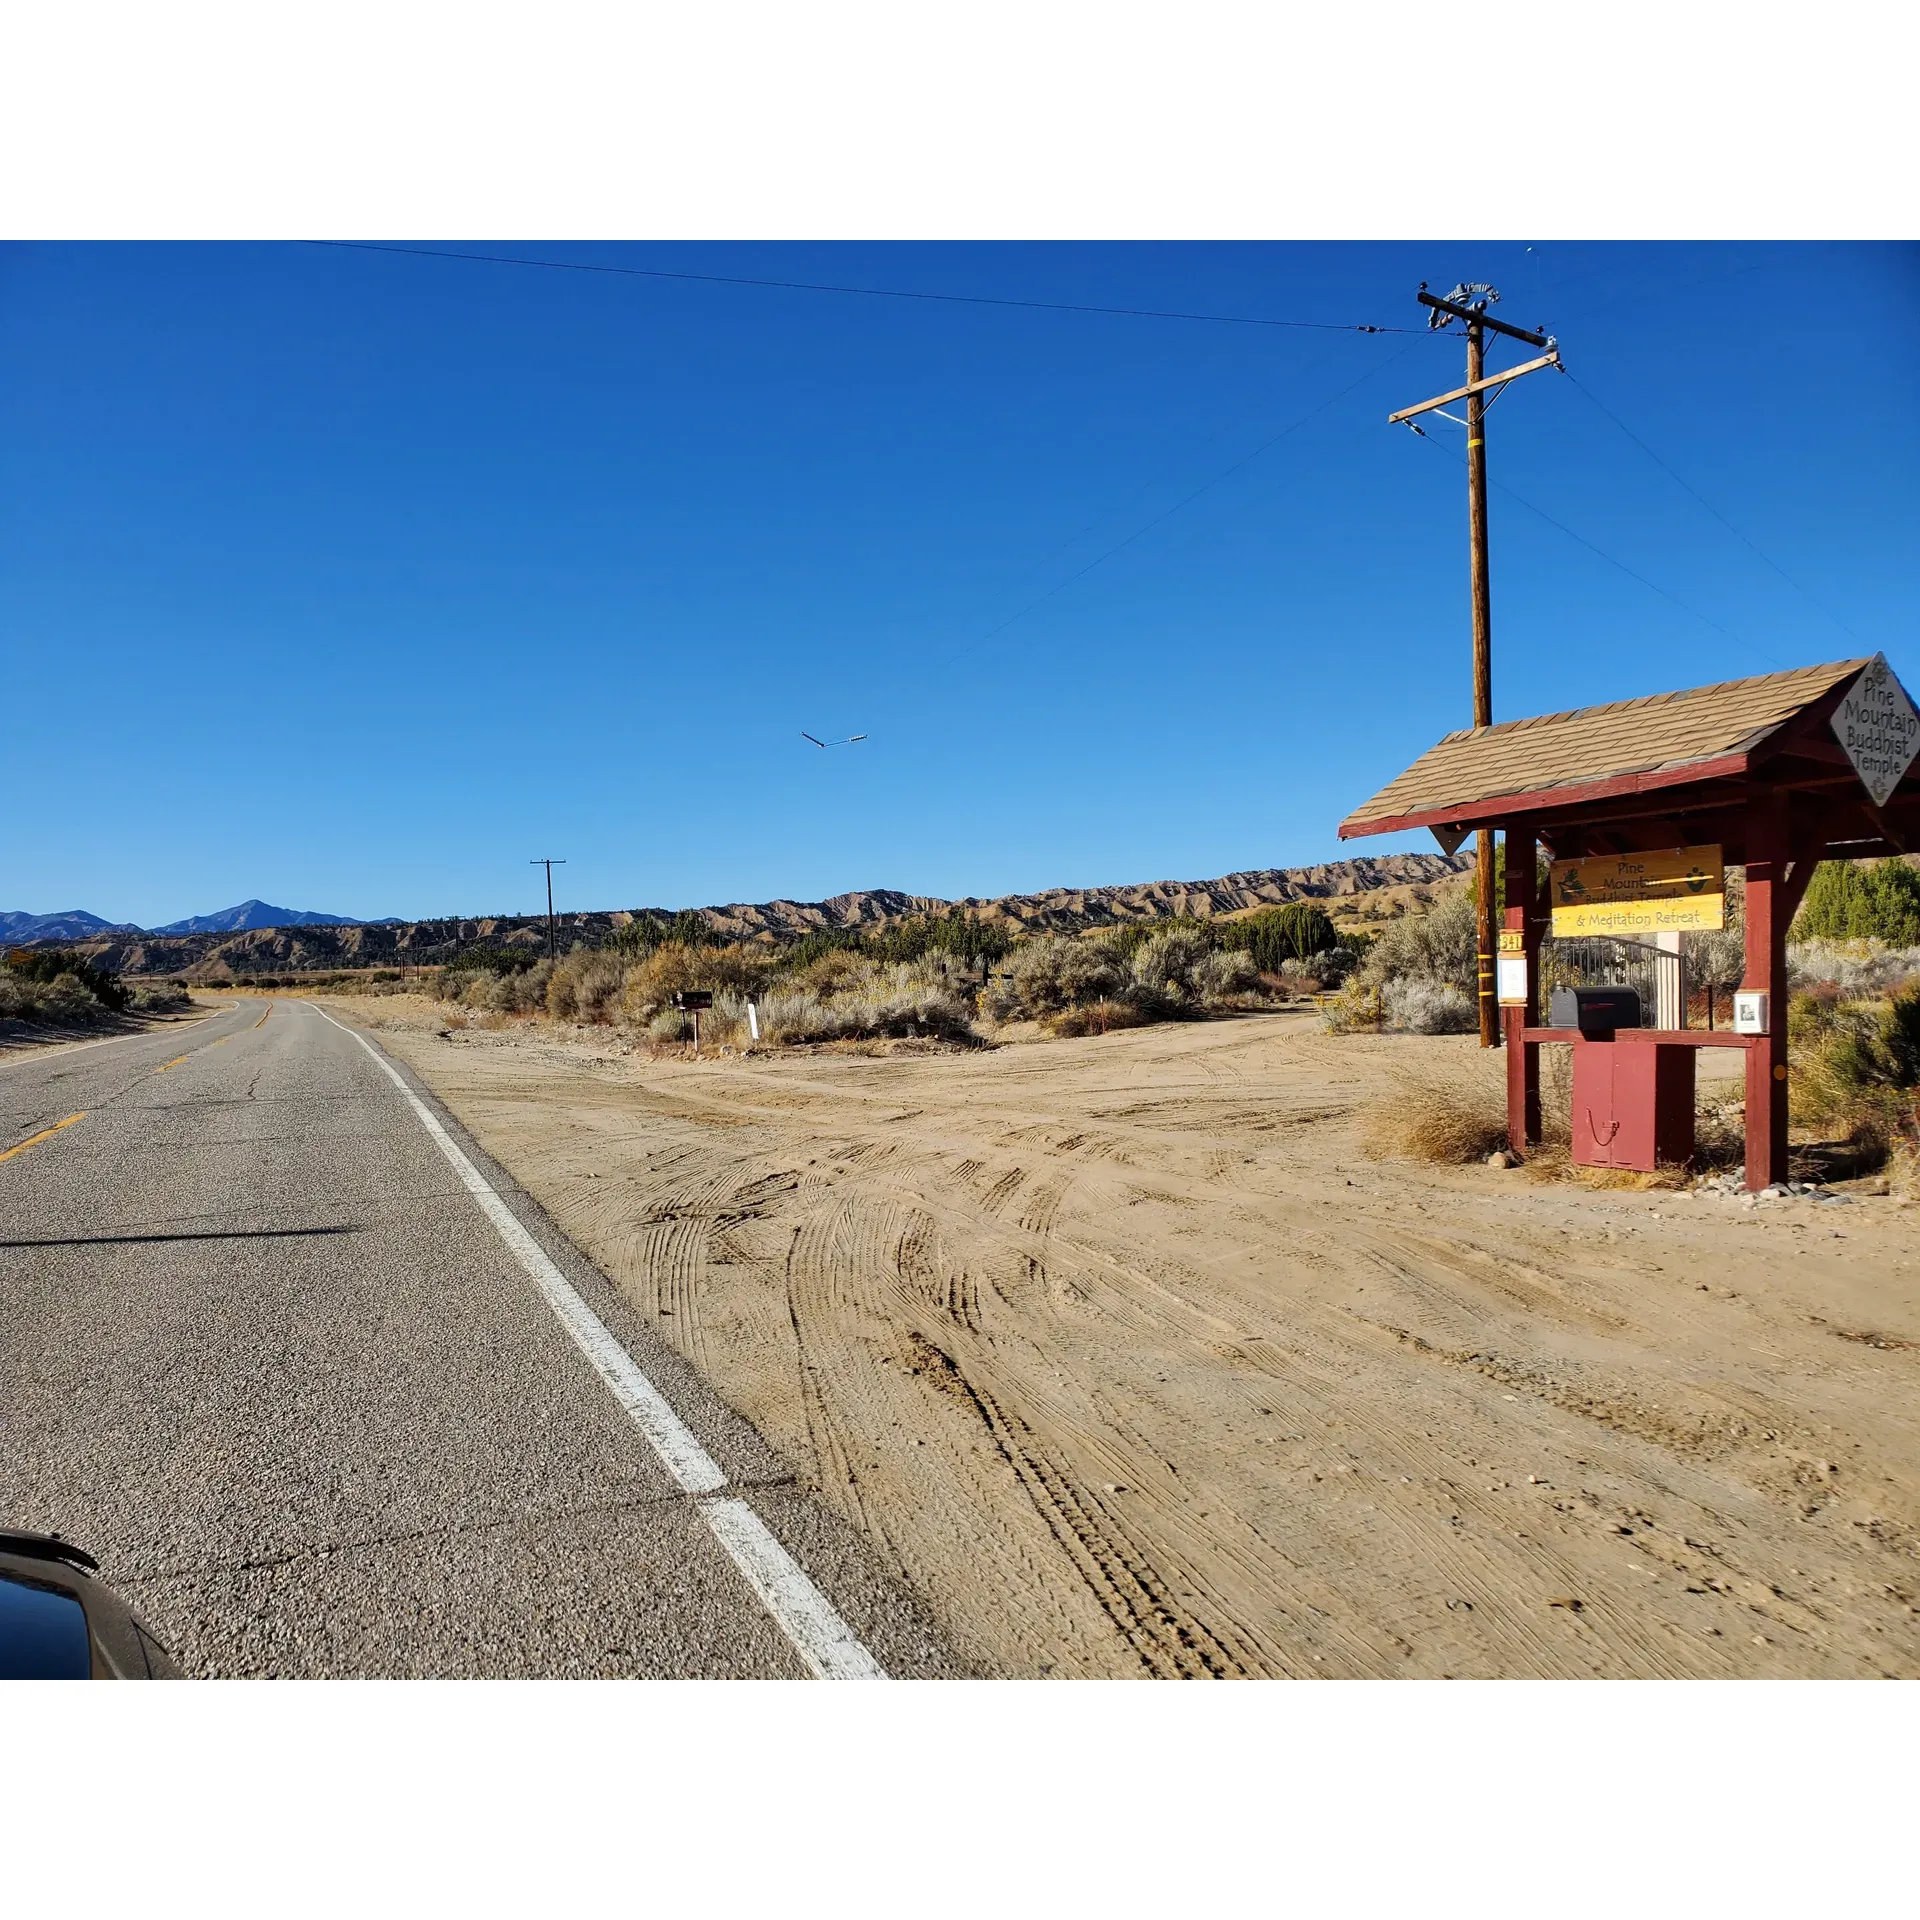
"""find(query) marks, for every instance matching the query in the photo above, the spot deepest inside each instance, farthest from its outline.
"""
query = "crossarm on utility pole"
(1476, 386)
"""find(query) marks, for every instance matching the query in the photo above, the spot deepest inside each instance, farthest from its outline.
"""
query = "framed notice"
(1628, 894)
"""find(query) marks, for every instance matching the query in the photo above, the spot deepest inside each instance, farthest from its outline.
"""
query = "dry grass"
(1449, 1110)
(1103, 1016)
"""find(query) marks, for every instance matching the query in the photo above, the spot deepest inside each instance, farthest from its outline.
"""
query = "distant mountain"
(281, 944)
(73, 925)
(252, 914)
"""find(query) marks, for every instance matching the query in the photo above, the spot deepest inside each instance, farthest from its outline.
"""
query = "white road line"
(801, 1611)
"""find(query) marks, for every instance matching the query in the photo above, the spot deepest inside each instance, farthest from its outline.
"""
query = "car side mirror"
(58, 1622)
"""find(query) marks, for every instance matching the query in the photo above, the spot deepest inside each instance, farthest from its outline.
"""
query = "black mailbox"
(1594, 1009)
(693, 1001)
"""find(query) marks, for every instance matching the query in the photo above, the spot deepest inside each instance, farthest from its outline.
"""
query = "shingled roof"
(1661, 738)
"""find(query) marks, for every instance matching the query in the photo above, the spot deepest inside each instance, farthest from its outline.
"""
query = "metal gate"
(1659, 977)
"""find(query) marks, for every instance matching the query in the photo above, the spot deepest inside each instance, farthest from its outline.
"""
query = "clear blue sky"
(352, 580)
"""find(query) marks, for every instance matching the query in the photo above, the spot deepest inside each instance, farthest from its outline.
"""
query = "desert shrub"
(1277, 934)
(1716, 962)
(585, 983)
(1125, 941)
(884, 1002)
(1049, 975)
(676, 967)
(1321, 971)
(831, 971)
(1855, 1066)
(487, 960)
(19, 999)
(65, 1000)
(520, 990)
(1852, 969)
(1099, 1016)
(1357, 1008)
(1419, 1005)
(1163, 969)
(1225, 978)
(1862, 900)
(158, 996)
(799, 954)
(45, 968)
(1440, 944)
(670, 1025)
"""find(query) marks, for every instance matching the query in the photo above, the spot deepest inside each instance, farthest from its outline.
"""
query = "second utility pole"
(553, 945)
(1469, 303)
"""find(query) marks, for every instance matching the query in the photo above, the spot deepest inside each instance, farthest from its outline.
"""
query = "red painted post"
(1769, 908)
(1523, 1057)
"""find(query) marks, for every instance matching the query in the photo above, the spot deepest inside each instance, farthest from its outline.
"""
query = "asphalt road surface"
(325, 1394)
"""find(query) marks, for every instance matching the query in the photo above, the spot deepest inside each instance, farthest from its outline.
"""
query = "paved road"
(265, 1354)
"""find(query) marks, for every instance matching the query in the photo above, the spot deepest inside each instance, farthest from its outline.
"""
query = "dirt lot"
(1134, 1364)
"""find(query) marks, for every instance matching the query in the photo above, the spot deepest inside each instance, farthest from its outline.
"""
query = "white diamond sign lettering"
(1877, 725)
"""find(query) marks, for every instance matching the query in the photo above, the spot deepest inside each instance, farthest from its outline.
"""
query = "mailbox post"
(694, 1001)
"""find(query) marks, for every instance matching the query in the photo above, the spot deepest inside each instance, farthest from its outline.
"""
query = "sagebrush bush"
(1164, 967)
(1321, 970)
(1418, 1005)
(916, 999)
(1225, 978)
(65, 1000)
(51, 964)
(159, 996)
(1051, 974)
(584, 984)
(1854, 969)
(1441, 944)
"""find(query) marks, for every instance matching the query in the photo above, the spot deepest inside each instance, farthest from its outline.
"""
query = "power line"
(1205, 487)
(872, 293)
(1580, 539)
(1594, 399)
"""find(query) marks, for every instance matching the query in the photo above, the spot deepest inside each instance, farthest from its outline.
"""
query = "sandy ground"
(1132, 1363)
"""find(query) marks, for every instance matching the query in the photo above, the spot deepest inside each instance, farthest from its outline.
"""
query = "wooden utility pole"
(1483, 918)
(1469, 303)
(553, 944)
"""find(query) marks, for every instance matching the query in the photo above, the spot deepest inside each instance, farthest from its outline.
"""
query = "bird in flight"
(849, 741)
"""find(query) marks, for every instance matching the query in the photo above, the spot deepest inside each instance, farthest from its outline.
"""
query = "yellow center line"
(171, 1064)
(262, 1021)
(46, 1133)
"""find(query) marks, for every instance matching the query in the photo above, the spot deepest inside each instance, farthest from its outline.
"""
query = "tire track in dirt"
(1100, 1342)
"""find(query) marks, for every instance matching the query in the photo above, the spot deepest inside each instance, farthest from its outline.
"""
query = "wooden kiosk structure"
(1780, 772)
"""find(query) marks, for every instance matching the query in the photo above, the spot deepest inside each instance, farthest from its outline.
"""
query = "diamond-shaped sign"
(1877, 725)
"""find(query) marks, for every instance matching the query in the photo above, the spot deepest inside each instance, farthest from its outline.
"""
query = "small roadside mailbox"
(696, 1001)
(1594, 1010)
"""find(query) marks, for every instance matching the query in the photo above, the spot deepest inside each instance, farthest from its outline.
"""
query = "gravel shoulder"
(1128, 1362)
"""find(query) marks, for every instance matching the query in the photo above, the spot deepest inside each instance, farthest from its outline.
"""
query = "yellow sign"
(1684, 891)
(1512, 942)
